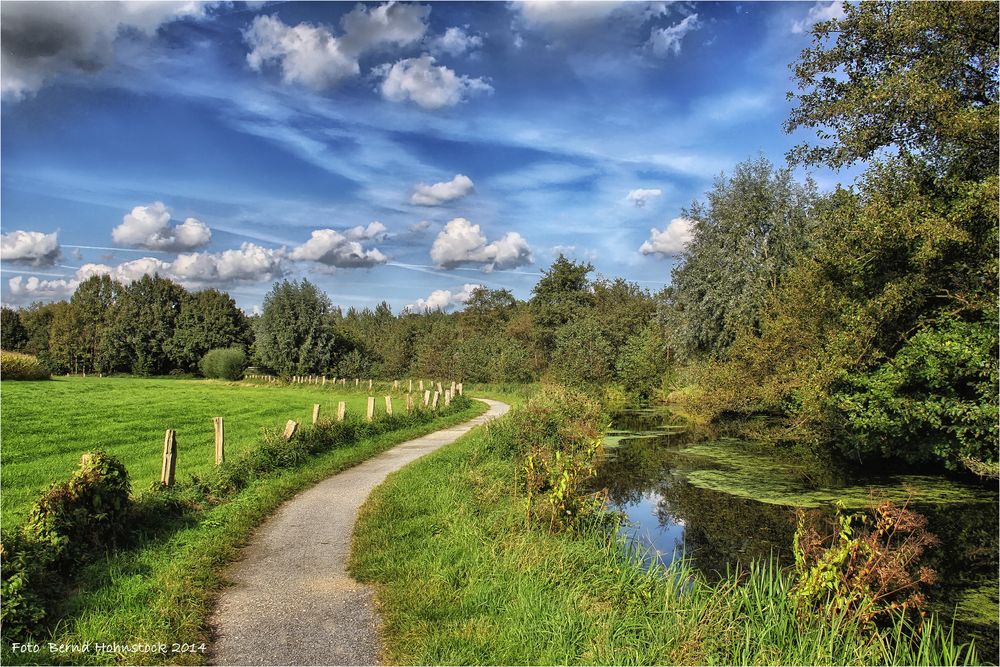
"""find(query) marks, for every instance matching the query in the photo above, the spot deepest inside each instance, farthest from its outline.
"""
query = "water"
(702, 501)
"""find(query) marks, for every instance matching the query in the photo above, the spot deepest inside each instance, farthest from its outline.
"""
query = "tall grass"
(463, 578)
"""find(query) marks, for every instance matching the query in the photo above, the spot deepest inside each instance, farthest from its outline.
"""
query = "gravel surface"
(293, 602)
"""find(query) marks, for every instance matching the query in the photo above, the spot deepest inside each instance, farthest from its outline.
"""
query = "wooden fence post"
(388, 405)
(409, 403)
(460, 389)
(395, 384)
(447, 397)
(434, 402)
(427, 398)
(169, 467)
(410, 390)
(291, 427)
(371, 408)
(369, 385)
(324, 380)
(341, 409)
(220, 444)
(421, 385)
(315, 413)
(356, 382)
(452, 387)
(440, 390)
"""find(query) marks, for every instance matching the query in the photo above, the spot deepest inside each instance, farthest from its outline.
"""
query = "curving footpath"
(293, 602)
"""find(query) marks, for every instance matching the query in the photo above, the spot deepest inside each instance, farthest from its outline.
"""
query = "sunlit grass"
(47, 425)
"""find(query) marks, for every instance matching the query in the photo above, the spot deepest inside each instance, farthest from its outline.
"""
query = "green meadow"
(47, 425)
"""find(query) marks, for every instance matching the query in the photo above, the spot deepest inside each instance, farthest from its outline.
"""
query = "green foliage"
(935, 400)
(13, 335)
(293, 332)
(208, 320)
(17, 366)
(582, 355)
(918, 76)
(868, 568)
(644, 360)
(142, 325)
(224, 363)
(560, 296)
(754, 225)
(84, 514)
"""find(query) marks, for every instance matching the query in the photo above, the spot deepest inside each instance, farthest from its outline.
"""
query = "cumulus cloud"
(33, 289)
(443, 299)
(461, 242)
(314, 56)
(667, 40)
(35, 248)
(375, 231)
(820, 11)
(332, 248)
(420, 227)
(42, 40)
(669, 241)
(455, 41)
(249, 263)
(640, 196)
(428, 85)
(149, 227)
(439, 193)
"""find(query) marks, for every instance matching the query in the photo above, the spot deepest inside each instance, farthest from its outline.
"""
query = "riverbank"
(492, 588)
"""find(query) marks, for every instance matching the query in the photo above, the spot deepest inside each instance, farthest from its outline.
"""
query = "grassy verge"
(48, 425)
(163, 591)
(490, 588)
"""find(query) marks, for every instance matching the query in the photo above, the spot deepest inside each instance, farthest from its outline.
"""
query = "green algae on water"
(769, 480)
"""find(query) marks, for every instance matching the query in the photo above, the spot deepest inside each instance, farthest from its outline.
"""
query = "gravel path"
(293, 602)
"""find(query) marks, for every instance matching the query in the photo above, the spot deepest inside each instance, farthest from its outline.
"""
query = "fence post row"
(220, 435)
(169, 468)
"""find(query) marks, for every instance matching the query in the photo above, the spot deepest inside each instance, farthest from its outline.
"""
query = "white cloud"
(455, 42)
(249, 263)
(42, 40)
(669, 241)
(439, 193)
(461, 242)
(149, 227)
(332, 248)
(305, 53)
(820, 11)
(640, 196)
(34, 248)
(375, 231)
(443, 299)
(668, 40)
(426, 84)
(315, 57)
(33, 289)
(565, 14)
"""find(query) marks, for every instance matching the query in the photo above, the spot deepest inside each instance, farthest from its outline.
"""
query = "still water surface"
(719, 504)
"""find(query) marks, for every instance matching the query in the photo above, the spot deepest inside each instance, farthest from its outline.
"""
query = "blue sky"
(385, 151)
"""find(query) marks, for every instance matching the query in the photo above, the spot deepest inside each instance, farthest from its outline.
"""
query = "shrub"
(224, 363)
(868, 567)
(17, 366)
(85, 513)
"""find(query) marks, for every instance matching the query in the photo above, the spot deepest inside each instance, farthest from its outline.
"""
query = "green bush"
(17, 366)
(86, 513)
(71, 520)
(224, 363)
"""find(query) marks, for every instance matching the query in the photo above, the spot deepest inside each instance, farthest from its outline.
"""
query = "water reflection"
(648, 477)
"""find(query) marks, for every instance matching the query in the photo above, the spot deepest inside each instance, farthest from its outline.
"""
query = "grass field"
(45, 426)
